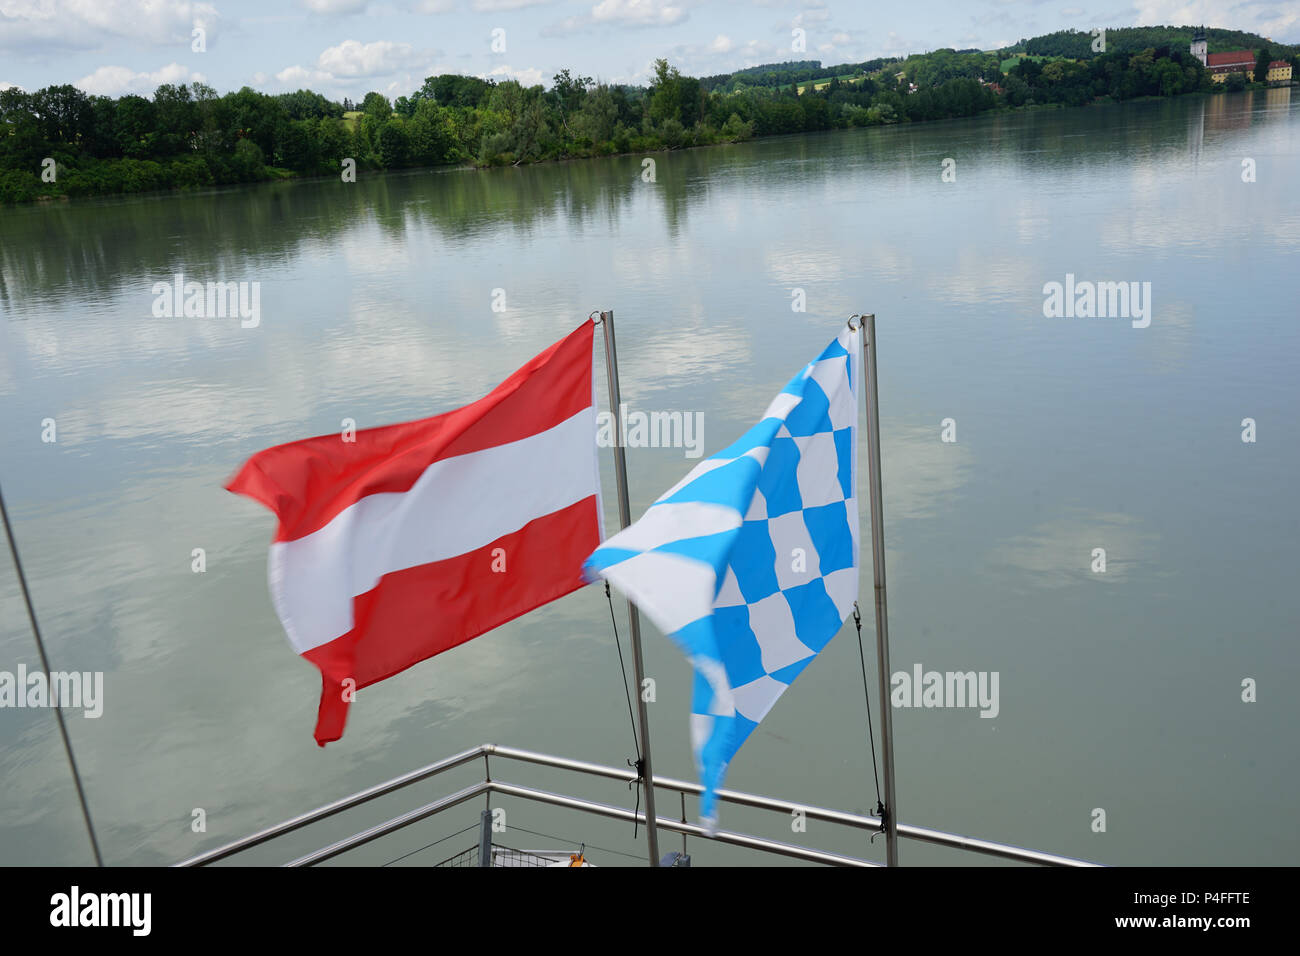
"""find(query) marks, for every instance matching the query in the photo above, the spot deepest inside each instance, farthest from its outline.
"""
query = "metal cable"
(434, 843)
(639, 766)
(613, 619)
(871, 734)
(45, 663)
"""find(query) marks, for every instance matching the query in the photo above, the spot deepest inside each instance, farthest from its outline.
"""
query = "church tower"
(1198, 45)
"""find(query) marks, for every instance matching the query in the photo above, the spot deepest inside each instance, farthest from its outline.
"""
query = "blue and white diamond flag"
(750, 563)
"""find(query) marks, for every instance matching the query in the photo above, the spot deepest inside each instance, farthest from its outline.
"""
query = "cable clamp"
(883, 813)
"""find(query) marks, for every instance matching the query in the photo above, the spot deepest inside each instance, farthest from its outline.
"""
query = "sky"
(349, 47)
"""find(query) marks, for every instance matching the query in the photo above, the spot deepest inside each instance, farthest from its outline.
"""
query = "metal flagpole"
(625, 518)
(868, 325)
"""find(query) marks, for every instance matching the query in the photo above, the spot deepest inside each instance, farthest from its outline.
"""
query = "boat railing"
(490, 785)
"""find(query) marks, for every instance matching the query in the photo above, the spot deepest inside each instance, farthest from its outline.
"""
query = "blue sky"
(348, 47)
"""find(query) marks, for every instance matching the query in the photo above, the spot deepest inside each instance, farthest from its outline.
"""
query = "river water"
(1119, 691)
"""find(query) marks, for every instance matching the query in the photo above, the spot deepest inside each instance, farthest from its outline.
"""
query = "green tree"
(737, 130)
(304, 104)
(64, 113)
(253, 115)
(507, 98)
(296, 145)
(394, 143)
(247, 163)
(597, 117)
(1262, 60)
(449, 89)
(1169, 77)
(133, 126)
(432, 136)
(177, 117)
(21, 144)
(210, 138)
(531, 130)
(376, 106)
(569, 92)
(665, 93)
(332, 142)
(691, 99)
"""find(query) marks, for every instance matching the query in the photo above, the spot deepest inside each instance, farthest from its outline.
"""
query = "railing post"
(485, 838)
(878, 567)
(625, 519)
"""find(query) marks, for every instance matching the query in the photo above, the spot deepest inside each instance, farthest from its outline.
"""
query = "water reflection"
(1062, 552)
(377, 302)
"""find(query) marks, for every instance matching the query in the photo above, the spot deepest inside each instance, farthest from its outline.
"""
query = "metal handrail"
(329, 809)
(861, 821)
(489, 786)
(689, 829)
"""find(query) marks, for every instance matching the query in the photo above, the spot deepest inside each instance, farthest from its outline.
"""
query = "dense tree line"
(61, 141)
(1077, 44)
(769, 74)
(777, 75)
(934, 68)
(1119, 76)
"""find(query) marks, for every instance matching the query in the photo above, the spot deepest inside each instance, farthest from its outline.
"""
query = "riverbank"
(148, 177)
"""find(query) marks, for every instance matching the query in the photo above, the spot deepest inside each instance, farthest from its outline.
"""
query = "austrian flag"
(416, 537)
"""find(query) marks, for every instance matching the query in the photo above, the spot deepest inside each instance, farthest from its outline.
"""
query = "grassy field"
(826, 81)
(352, 119)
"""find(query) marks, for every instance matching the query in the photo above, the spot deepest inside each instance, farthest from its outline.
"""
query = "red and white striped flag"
(420, 536)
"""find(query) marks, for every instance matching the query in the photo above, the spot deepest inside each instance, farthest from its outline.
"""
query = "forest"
(60, 141)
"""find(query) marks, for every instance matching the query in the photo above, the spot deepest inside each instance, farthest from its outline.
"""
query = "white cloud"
(629, 13)
(699, 60)
(300, 77)
(118, 80)
(9, 86)
(352, 58)
(1059, 553)
(818, 15)
(648, 13)
(85, 24)
(529, 77)
(337, 66)
(435, 6)
(492, 6)
(334, 7)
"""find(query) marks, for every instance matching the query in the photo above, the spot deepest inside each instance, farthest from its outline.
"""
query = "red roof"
(1230, 59)
(1278, 65)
